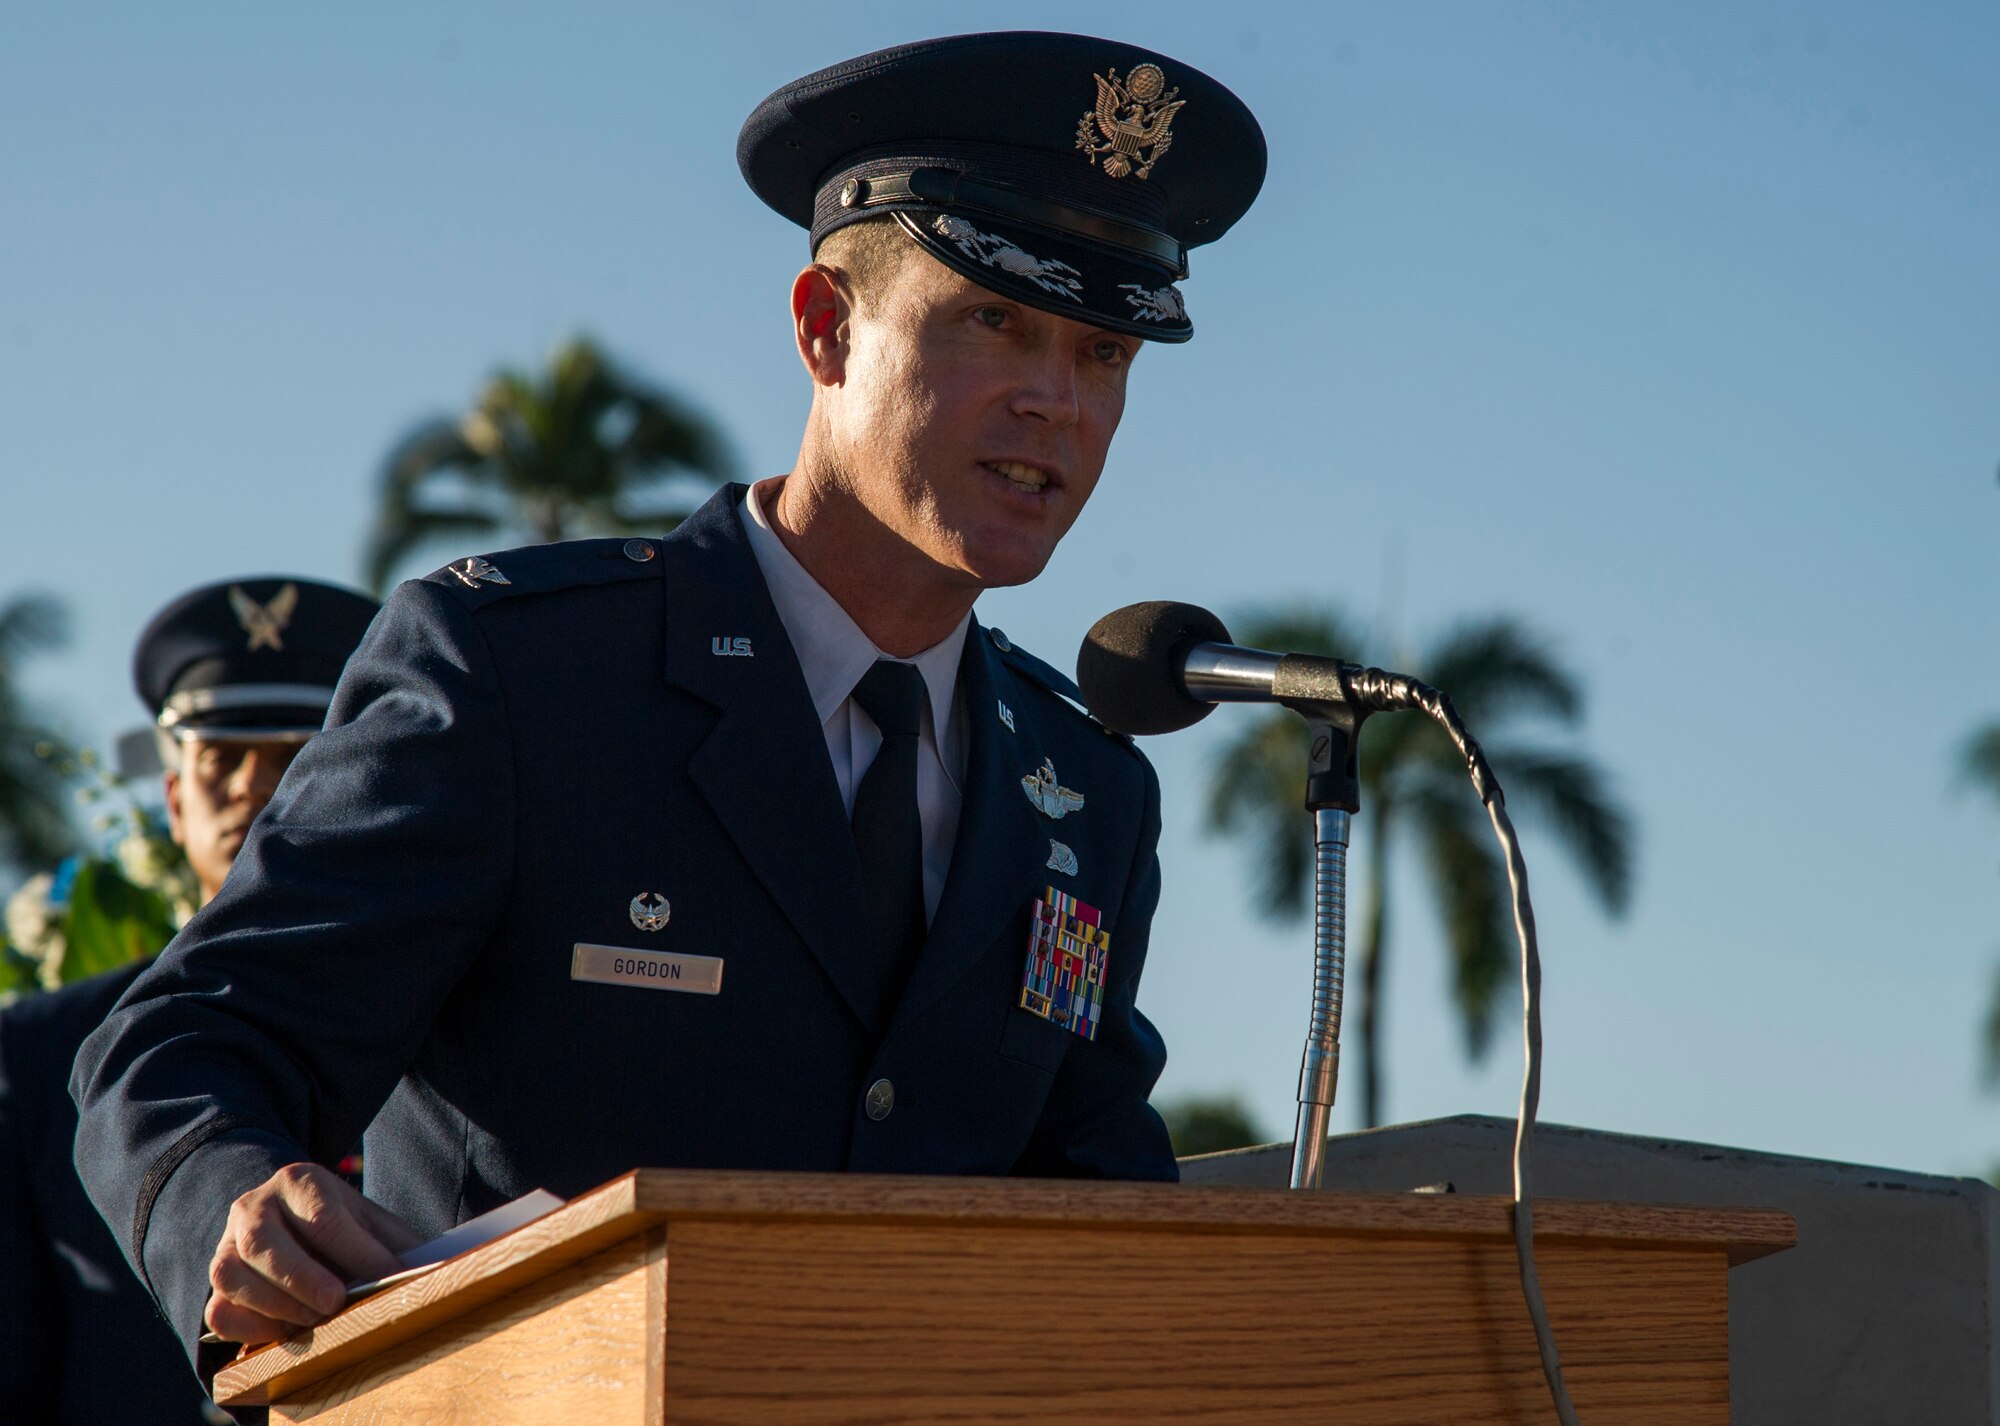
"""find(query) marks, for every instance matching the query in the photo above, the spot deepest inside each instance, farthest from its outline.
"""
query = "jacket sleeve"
(280, 1019)
(1098, 1122)
(29, 1296)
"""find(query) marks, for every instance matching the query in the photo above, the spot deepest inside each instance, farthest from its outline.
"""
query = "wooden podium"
(679, 1297)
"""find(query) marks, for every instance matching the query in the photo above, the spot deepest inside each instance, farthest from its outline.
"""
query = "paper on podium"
(465, 1237)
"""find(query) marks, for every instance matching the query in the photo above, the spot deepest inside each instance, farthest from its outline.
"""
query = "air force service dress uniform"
(79, 1339)
(507, 769)
(568, 884)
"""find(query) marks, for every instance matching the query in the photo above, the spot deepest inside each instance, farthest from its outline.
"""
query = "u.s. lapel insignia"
(265, 623)
(1069, 953)
(473, 570)
(1006, 717)
(1135, 118)
(1061, 858)
(651, 911)
(1050, 797)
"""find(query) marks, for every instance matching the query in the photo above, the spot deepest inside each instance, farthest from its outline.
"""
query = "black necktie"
(888, 831)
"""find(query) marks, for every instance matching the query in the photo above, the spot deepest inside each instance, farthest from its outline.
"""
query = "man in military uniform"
(238, 677)
(746, 847)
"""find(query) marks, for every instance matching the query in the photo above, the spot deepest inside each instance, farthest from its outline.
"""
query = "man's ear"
(821, 315)
(173, 782)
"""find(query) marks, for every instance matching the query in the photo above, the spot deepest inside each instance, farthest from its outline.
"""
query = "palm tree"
(1979, 760)
(34, 817)
(1414, 791)
(1979, 766)
(555, 452)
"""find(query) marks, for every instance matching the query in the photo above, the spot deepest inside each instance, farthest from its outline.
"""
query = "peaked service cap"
(249, 657)
(1066, 172)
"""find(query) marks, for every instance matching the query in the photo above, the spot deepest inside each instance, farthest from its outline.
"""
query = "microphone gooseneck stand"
(1226, 674)
(1335, 698)
(1320, 1070)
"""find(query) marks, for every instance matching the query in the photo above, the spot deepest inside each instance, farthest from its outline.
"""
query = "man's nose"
(1049, 389)
(256, 776)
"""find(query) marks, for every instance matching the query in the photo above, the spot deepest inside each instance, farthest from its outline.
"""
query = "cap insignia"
(265, 623)
(1135, 119)
(1046, 273)
(471, 571)
(1154, 304)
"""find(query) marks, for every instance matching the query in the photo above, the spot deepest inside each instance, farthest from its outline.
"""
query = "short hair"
(868, 253)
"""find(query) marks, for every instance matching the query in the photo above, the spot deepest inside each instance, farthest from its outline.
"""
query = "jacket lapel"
(764, 769)
(1001, 846)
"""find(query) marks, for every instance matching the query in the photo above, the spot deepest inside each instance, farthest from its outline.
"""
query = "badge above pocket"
(1069, 953)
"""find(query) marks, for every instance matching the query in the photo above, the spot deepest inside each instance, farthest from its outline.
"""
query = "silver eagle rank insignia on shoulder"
(473, 570)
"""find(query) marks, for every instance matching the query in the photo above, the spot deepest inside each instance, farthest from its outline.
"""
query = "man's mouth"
(1024, 477)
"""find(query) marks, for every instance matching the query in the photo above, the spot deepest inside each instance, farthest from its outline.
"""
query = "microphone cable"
(1375, 689)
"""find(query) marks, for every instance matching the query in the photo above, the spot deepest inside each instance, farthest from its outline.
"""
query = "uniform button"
(638, 551)
(881, 1099)
(1000, 642)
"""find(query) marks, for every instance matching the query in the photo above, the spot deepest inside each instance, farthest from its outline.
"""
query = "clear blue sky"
(1674, 330)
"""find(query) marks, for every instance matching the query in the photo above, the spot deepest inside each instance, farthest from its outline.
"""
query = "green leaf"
(111, 922)
(17, 974)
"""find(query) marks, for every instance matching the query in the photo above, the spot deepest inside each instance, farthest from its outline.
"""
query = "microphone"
(1160, 666)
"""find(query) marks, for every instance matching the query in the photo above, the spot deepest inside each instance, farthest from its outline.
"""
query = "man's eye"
(1109, 352)
(991, 316)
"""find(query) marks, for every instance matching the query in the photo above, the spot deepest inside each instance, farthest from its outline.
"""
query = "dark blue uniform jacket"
(79, 1339)
(504, 768)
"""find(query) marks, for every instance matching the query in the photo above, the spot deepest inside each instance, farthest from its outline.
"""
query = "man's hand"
(290, 1247)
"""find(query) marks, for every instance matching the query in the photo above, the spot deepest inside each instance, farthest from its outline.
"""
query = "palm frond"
(414, 529)
(34, 806)
(403, 517)
(1470, 886)
(30, 623)
(614, 521)
(1569, 794)
(1992, 1064)
(1979, 760)
(670, 437)
(1299, 626)
(1257, 791)
(562, 449)
(1497, 667)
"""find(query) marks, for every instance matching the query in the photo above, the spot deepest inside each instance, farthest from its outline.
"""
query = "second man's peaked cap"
(258, 654)
(1068, 172)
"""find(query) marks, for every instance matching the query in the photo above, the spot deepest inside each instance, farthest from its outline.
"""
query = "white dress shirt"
(834, 654)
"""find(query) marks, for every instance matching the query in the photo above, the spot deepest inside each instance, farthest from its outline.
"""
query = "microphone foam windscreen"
(1129, 666)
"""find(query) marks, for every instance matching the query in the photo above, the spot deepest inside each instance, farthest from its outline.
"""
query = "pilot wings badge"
(1134, 119)
(265, 623)
(1050, 797)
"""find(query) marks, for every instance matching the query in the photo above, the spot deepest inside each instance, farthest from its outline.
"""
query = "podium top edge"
(697, 1194)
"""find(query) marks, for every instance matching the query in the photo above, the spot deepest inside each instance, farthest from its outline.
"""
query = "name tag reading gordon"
(649, 970)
